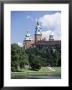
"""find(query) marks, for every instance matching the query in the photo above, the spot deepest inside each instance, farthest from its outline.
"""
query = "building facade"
(38, 41)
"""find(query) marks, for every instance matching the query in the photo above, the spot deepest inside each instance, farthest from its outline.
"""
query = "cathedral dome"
(28, 36)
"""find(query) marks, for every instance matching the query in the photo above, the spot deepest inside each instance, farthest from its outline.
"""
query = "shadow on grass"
(33, 69)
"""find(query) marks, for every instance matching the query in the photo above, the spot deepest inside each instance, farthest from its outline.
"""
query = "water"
(44, 77)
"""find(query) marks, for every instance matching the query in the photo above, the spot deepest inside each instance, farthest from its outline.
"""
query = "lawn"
(43, 72)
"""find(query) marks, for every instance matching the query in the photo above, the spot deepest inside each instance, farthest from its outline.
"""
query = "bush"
(22, 65)
(35, 66)
(13, 69)
(35, 62)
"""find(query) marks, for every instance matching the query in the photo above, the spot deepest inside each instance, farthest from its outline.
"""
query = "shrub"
(35, 63)
(13, 69)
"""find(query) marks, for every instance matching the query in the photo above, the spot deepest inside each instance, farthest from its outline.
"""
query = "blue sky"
(23, 21)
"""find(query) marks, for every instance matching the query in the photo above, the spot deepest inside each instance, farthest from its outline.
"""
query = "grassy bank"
(44, 71)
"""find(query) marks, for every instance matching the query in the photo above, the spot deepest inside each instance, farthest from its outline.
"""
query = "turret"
(27, 40)
(51, 37)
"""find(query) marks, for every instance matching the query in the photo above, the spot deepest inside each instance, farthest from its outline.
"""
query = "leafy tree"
(18, 57)
(15, 50)
(23, 58)
(34, 62)
(58, 57)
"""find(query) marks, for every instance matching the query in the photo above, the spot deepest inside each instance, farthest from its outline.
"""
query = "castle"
(38, 41)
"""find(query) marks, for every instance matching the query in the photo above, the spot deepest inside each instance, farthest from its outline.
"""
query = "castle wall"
(27, 44)
(38, 37)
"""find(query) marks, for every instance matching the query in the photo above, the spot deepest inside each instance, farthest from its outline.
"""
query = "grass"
(44, 71)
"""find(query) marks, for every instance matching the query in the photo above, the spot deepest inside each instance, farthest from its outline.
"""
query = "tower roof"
(38, 28)
(28, 36)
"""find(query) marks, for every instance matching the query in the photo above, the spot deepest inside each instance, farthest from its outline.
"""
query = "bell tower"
(38, 33)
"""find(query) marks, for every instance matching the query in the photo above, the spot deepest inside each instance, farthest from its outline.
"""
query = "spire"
(38, 33)
(37, 22)
(38, 27)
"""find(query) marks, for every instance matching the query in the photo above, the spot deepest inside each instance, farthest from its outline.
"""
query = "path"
(50, 68)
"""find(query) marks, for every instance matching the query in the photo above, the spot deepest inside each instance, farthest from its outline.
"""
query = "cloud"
(52, 24)
(20, 44)
(29, 17)
(45, 34)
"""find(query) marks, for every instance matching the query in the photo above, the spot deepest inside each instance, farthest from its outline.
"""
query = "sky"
(25, 21)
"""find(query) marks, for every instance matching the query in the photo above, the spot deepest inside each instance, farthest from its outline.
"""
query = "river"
(44, 77)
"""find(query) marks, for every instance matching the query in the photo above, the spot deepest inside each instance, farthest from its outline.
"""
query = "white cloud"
(52, 23)
(45, 34)
(20, 44)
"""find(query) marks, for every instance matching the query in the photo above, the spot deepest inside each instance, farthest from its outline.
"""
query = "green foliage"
(49, 55)
(34, 57)
(35, 62)
(23, 58)
(18, 57)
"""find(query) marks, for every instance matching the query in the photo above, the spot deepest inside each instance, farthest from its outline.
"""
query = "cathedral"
(38, 41)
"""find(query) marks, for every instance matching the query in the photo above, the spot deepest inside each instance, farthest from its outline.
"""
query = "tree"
(15, 51)
(54, 57)
(48, 55)
(23, 58)
(35, 62)
(58, 57)
(18, 57)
